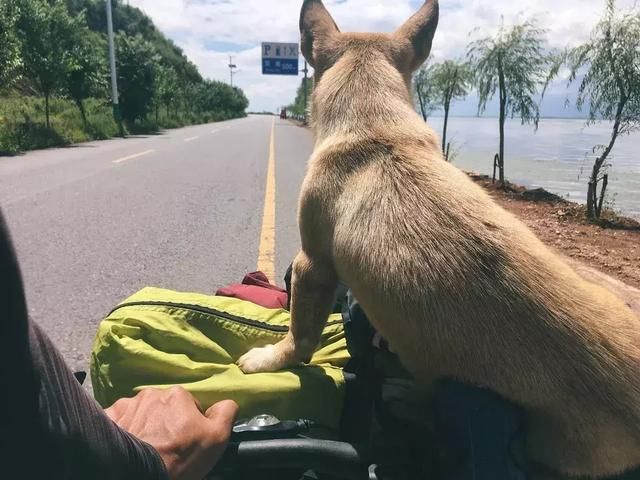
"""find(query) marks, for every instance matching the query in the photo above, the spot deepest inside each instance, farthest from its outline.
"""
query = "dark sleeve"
(87, 444)
(50, 427)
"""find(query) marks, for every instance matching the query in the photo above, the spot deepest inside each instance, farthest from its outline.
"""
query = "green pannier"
(160, 338)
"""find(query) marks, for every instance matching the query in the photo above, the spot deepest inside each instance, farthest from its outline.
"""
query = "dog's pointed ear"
(419, 31)
(317, 28)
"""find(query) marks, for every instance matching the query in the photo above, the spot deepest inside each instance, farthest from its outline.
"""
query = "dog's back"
(458, 286)
(461, 289)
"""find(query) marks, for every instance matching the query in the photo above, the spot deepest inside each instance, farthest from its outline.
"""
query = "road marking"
(221, 129)
(191, 139)
(136, 155)
(267, 250)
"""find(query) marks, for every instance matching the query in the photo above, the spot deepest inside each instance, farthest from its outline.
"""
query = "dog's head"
(403, 51)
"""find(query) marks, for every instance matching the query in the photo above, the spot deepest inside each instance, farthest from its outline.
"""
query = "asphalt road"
(183, 210)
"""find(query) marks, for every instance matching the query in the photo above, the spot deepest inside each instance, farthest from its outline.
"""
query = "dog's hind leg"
(313, 287)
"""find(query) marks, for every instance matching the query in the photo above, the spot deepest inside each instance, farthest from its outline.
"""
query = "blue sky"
(210, 31)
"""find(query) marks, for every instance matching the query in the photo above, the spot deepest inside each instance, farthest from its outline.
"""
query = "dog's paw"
(258, 360)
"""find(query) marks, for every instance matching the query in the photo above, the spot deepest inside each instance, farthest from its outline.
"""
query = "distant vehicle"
(283, 114)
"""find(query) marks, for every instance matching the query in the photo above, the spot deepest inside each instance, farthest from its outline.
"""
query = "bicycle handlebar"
(321, 456)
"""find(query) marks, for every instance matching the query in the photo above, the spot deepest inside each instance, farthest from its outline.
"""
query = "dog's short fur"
(458, 286)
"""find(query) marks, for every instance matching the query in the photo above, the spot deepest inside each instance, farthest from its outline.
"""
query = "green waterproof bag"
(160, 338)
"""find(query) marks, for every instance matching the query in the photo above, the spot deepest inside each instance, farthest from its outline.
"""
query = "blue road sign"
(285, 66)
(280, 59)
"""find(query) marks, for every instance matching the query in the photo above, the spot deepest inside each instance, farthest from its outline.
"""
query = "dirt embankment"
(611, 246)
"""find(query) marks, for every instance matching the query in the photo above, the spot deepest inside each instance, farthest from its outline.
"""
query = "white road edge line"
(191, 139)
(136, 155)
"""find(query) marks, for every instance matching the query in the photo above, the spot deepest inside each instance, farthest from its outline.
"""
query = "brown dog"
(458, 286)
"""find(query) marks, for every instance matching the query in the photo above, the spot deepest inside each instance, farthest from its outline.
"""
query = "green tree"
(515, 64)
(44, 30)
(58, 47)
(240, 102)
(218, 98)
(167, 88)
(9, 45)
(86, 68)
(451, 81)
(610, 62)
(426, 94)
(136, 66)
(131, 21)
(298, 107)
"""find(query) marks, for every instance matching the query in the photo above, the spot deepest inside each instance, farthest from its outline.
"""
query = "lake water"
(558, 157)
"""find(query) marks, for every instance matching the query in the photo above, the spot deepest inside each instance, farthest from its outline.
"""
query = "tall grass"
(22, 123)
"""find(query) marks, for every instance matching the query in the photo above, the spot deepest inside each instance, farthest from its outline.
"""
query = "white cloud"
(211, 30)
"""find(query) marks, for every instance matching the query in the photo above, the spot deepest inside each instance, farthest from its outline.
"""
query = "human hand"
(172, 422)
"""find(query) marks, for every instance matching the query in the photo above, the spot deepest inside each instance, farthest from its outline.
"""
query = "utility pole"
(306, 72)
(114, 76)
(232, 66)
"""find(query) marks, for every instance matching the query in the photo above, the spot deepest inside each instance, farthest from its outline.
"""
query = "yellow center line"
(131, 157)
(191, 139)
(267, 250)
